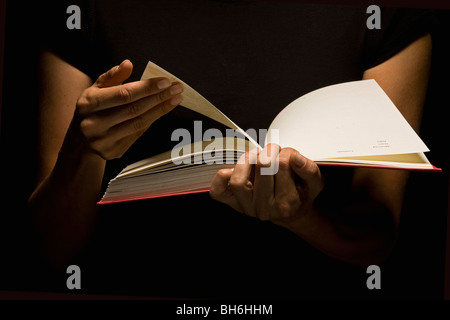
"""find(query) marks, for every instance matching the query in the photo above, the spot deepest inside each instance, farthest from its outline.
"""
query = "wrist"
(310, 218)
(75, 158)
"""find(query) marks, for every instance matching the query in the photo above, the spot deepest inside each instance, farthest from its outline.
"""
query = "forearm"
(93, 123)
(64, 204)
(362, 231)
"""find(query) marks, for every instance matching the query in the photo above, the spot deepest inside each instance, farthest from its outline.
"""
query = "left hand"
(283, 197)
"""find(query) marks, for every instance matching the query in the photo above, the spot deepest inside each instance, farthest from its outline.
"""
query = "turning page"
(345, 120)
(193, 100)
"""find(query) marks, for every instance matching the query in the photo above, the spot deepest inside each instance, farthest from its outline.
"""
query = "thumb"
(116, 75)
(308, 171)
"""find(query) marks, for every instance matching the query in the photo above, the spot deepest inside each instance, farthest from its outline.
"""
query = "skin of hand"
(111, 116)
(282, 197)
(83, 124)
(363, 228)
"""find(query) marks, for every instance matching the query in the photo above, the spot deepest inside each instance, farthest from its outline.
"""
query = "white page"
(194, 100)
(227, 144)
(349, 119)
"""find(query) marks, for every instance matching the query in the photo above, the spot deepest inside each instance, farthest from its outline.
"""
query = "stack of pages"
(348, 124)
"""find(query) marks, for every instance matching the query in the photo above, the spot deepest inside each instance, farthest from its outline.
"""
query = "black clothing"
(250, 59)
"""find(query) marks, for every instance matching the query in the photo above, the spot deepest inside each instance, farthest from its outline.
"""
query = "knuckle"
(83, 105)
(151, 86)
(92, 99)
(88, 101)
(86, 126)
(125, 94)
(161, 96)
(138, 124)
(223, 174)
(236, 183)
(287, 206)
(134, 109)
(284, 209)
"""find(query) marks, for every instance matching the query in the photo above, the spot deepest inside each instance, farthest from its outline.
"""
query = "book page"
(223, 146)
(345, 120)
(193, 100)
(405, 161)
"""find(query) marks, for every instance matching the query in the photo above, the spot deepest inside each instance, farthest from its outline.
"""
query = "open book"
(348, 124)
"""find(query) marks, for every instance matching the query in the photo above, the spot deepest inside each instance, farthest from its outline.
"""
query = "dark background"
(416, 269)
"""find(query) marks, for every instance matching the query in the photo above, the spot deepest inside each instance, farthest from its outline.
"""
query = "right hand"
(111, 116)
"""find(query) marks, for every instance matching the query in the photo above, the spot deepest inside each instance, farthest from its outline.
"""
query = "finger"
(115, 75)
(286, 195)
(112, 116)
(95, 99)
(145, 120)
(221, 191)
(266, 168)
(240, 183)
(309, 172)
(285, 177)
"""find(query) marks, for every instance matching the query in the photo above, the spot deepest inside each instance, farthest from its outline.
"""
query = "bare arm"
(81, 125)
(60, 187)
(378, 194)
(363, 229)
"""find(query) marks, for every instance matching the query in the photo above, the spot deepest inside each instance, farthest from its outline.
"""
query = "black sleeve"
(399, 28)
(76, 46)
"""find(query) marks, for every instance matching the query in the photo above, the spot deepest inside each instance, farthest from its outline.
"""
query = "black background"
(416, 269)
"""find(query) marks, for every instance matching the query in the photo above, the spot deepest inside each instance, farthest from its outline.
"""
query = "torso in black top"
(250, 58)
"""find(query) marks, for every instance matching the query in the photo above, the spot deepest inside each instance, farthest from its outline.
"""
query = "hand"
(111, 116)
(281, 198)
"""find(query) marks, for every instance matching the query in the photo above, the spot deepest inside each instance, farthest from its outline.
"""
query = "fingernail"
(121, 64)
(176, 100)
(163, 84)
(176, 89)
(299, 160)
